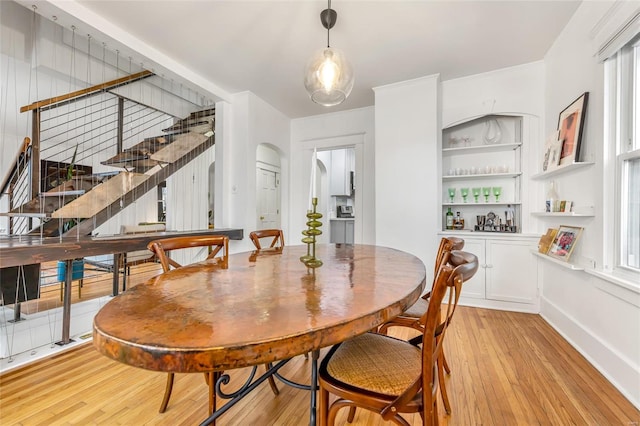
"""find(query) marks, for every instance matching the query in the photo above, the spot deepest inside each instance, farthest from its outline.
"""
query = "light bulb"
(328, 71)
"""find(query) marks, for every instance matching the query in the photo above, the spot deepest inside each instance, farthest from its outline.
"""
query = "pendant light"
(329, 76)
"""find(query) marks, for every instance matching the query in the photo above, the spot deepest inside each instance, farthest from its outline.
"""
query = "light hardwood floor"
(508, 369)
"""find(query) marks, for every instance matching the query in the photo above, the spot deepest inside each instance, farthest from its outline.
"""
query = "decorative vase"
(492, 131)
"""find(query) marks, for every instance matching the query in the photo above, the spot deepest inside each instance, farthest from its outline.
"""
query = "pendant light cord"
(328, 22)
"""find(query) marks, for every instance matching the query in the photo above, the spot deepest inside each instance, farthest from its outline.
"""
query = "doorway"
(268, 173)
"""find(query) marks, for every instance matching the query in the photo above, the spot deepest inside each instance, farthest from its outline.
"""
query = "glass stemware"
(497, 190)
(452, 194)
(464, 192)
(486, 191)
(476, 193)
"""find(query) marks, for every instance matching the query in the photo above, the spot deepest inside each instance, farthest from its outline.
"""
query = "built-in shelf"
(481, 148)
(562, 214)
(558, 262)
(482, 176)
(562, 169)
(513, 203)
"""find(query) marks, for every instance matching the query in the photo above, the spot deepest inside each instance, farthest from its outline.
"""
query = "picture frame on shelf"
(570, 126)
(564, 242)
(553, 137)
(555, 151)
(546, 240)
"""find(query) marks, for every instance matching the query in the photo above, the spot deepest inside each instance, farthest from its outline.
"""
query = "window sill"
(621, 282)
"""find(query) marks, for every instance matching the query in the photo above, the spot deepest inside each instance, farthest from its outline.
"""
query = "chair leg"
(445, 363)
(441, 383)
(272, 382)
(323, 406)
(167, 393)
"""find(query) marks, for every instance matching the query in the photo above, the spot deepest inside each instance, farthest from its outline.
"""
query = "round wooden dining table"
(266, 307)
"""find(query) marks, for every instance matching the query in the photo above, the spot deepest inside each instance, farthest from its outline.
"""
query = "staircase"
(81, 202)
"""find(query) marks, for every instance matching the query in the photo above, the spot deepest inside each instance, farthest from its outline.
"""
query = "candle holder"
(310, 235)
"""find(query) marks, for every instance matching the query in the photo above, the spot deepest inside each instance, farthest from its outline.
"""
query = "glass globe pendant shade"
(328, 77)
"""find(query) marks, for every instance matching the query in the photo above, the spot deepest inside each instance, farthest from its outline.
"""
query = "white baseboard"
(614, 366)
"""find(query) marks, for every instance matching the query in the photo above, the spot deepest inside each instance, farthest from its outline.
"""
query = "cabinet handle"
(488, 266)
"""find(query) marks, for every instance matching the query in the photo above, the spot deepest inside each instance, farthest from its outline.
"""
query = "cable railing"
(73, 137)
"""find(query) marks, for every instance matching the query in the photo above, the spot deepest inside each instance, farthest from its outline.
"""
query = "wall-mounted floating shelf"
(562, 169)
(558, 262)
(562, 214)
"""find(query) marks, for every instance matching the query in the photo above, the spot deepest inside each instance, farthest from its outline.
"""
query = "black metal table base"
(251, 384)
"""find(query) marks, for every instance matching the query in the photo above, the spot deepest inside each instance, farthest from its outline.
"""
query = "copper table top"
(267, 306)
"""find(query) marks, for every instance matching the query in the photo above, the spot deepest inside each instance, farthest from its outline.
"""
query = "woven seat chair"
(218, 250)
(276, 234)
(411, 317)
(391, 376)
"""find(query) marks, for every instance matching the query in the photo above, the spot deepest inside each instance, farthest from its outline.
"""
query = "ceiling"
(262, 46)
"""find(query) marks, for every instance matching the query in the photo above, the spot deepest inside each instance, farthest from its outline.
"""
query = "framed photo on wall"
(564, 242)
(570, 126)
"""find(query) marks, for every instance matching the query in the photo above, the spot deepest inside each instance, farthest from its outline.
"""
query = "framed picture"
(564, 242)
(555, 151)
(570, 125)
(547, 149)
(546, 240)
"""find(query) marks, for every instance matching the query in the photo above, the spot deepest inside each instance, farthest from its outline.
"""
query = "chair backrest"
(456, 268)
(446, 244)
(276, 235)
(218, 244)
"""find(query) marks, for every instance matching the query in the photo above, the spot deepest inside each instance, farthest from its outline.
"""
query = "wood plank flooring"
(508, 369)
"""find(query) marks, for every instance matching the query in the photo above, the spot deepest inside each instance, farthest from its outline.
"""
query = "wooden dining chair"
(411, 317)
(391, 376)
(276, 235)
(277, 241)
(218, 250)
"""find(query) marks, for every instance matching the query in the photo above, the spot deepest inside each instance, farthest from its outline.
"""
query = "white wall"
(333, 130)
(408, 134)
(600, 318)
(243, 124)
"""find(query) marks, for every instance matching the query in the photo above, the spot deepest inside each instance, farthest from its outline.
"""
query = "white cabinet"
(342, 166)
(483, 154)
(342, 231)
(507, 276)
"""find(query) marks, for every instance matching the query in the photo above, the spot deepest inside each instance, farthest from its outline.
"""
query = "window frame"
(623, 79)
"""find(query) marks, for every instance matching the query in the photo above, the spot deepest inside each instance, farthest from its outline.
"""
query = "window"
(627, 159)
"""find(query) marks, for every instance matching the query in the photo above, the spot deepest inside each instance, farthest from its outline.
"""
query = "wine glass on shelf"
(486, 191)
(497, 190)
(476, 193)
(452, 194)
(464, 192)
